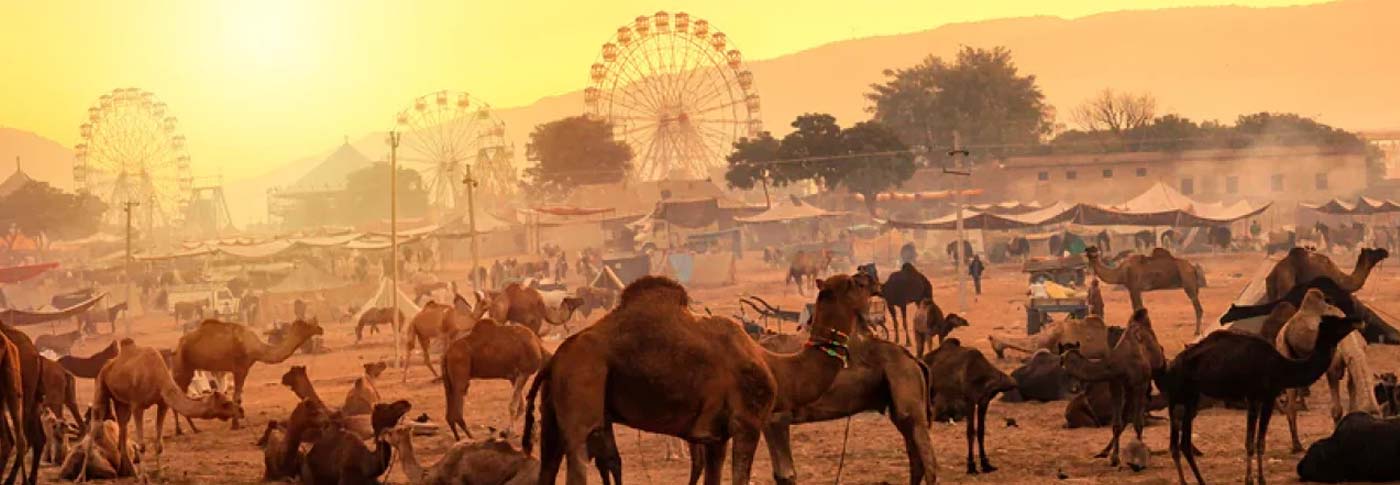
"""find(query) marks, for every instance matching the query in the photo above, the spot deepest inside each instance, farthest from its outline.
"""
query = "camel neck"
(804, 376)
(275, 354)
(1087, 370)
(304, 390)
(180, 402)
(1105, 273)
(383, 454)
(411, 467)
(1359, 273)
(1304, 372)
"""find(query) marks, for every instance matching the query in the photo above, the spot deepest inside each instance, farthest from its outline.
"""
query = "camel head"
(387, 415)
(1067, 348)
(220, 407)
(294, 376)
(842, 301)
(1373, 256)
(1315, 302)
(954, 320)
(1091, 252)
(305, 329)
(374, 369)
(272, 426)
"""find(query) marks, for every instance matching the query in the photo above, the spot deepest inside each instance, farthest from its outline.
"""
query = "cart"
(1038, 311)
(1068, 270)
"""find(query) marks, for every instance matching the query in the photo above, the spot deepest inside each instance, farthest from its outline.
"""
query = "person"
(1254, 229)
(1095, 298)
(975, 268)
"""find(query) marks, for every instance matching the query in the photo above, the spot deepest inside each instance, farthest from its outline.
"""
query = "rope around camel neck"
(841, 463)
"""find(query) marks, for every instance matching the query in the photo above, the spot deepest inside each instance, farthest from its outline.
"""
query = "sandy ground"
(1035, 452)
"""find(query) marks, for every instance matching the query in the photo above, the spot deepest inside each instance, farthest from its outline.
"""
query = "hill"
(43, 159)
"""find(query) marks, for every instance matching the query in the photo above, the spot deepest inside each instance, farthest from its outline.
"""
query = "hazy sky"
(256, 83)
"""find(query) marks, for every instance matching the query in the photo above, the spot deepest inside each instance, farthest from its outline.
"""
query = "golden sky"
(256, 83)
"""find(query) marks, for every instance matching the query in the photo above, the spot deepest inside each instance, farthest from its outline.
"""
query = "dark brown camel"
(807, 266)
(274, 444)
(339, 457)
(1128, 369)
(490, 351)
(1302, 266)
(372, 318)
(902, 288)
(59, 391)
(12, 409)
(964, 382)
(929, 322)
(88, 367)
(309, 420)
(623, 369)
(34, 394)
(1233, 365)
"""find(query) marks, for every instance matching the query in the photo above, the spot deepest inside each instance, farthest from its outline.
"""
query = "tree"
(886, 161)
(1116, 112)
(44, 213)
(367, 194)
(981, 96)
(575, 151)
(748, 163)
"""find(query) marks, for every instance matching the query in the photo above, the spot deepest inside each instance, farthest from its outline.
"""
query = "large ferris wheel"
(676, 92)
(131, 152)
(446, 132)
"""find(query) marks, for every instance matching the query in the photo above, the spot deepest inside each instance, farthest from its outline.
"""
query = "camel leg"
(1334, 386)
(746, 437)
(239, 377)
(427, 356)
(551, 446)
(1136, 297)
(1265, 412)
(982, 435)
(1120, 401)
(1175, 415)
(1189, 416)
(971, 420)
(714, 461)
(909, 414)
(1291, 403)
(517, 401)
(183, 377)
(894, 323)
(697, 462)
(778, 437)
(160, 435)
(1251, 424)
(124, 465)
(1193, 293)
(456, 399)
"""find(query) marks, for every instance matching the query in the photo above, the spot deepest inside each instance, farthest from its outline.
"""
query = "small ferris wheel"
(131, 152)
(676, 92)
(446, 132)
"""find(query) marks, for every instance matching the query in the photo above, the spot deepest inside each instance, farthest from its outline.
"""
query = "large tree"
(880, 162)
(748, 164)
(981, 95)
(367, 194)
(41, 212)
(1115, 111)
(574, 151)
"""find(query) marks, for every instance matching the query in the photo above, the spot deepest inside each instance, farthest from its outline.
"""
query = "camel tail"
(526, 440)
(928, 382)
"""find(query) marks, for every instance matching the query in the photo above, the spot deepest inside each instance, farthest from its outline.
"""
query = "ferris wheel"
(131, 151)
(676, 92)
(447, 131)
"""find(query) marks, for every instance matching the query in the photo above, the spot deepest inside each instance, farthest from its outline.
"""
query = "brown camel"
(526, 306)
(308, 422)
(490, 351)
(624, 369)
(138, 379)
(339, 457)
(230, 347)
(98, 460)
(1128, 369)
(1301, 266)
(59, 343)
(807, 266)
(436, 321)
(490, 462)
(296, 379)
(88, 367)
(363, 394)
(882, 377)
(12, 422)
(1233, 365)
(1157, 271)
(55, 436)
(274, 445)
(1090, 333)
(59, 390)
(1295, 341)
(929, 321)
(965, 381)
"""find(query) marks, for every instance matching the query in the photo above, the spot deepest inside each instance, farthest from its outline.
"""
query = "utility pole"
(470, 182)
(960, 171)
(394, 245)
(126, 315)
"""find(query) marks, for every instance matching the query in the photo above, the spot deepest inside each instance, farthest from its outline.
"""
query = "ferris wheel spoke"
(716, 91)
(637, 86)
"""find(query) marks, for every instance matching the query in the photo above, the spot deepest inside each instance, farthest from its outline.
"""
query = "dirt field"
(1035, 452)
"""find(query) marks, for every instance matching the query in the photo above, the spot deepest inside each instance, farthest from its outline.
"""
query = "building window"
(1232, 184)
(1276, 182)
(1321, 181)
(1043, 176)
(1188, 186)
(1142, 172)
(1108, 173)
(1071, 175)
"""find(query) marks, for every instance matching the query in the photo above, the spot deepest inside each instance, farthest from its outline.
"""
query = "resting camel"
(623, 369)
(87, 367)
(966, 382)
(807, 266)
(1128, 369)
(55, 435)
(490, 462)
(274, 444)
(339, 457)
(296, 379)
(1301, 266)
(1158, 271)
(517, 303)
(363, 394)
(12, 422)
(101, 460)
(138, 379)
(1295, 341)
(1233, 365)
(230, 347)
(308, 422)
(904, 287)
(30, 376)
(490, 351)
(438, 321)
(1090, 333)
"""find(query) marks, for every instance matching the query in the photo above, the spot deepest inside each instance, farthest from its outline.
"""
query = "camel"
(807, 266)
(1040, 379)
(59, 343)
(136, 379)
(438, 321)
(101, 460)
(903, 287)
(55, 435)
(963, 378)
(1128, 369)
(1301, 266)
(1295, 341)
(490, 351)
(363, 394)
(1233, 365)
(30, 377)
(622, 370)
(929, 321)
(1341, 236)
(88, 367)
(1089, 332)
(490, 462)
(1157, 271)
(595, 298)
(12, 422)
(230, 347)
(273, 443)
(372, 318)
(308, 422)
(59, 390)
(296, 379)
(517, 303)
(339, 457)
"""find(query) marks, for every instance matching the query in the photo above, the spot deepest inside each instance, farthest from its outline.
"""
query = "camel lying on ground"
(364, 394)
(96, 456)
(1090, 333)
(1295, 341)
(340, 457)
(490, 462)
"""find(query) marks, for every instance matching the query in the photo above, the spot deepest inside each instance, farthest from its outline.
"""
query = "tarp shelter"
(628, 268)
(35, 317)
(16, 274)
(787, 211)
(972, 220)
(384, 298)
(688, 213)
(307, 278)
(1361, 206)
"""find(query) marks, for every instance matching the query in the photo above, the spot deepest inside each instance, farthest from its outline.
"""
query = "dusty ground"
(1035, 452)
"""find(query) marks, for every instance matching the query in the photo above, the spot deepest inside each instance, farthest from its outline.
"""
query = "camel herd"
(653, 364)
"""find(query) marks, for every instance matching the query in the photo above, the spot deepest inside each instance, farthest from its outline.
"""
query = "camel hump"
(951, 342)
(1297, 252)
(654, 287)
(1161, 253)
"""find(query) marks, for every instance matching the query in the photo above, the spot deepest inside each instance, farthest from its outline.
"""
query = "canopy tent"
(1009, 207)
(384, 298)
(1362, 206)
(307, 278)
(1057, 213)
(689, 213)
(16, 274)
(785, 211)
(562, 210)
(35, 317)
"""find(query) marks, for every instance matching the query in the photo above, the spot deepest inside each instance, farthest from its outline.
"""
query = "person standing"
(975, 269)
(1095, 298)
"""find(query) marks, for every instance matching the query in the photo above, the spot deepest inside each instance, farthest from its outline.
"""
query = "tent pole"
(394, 246)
